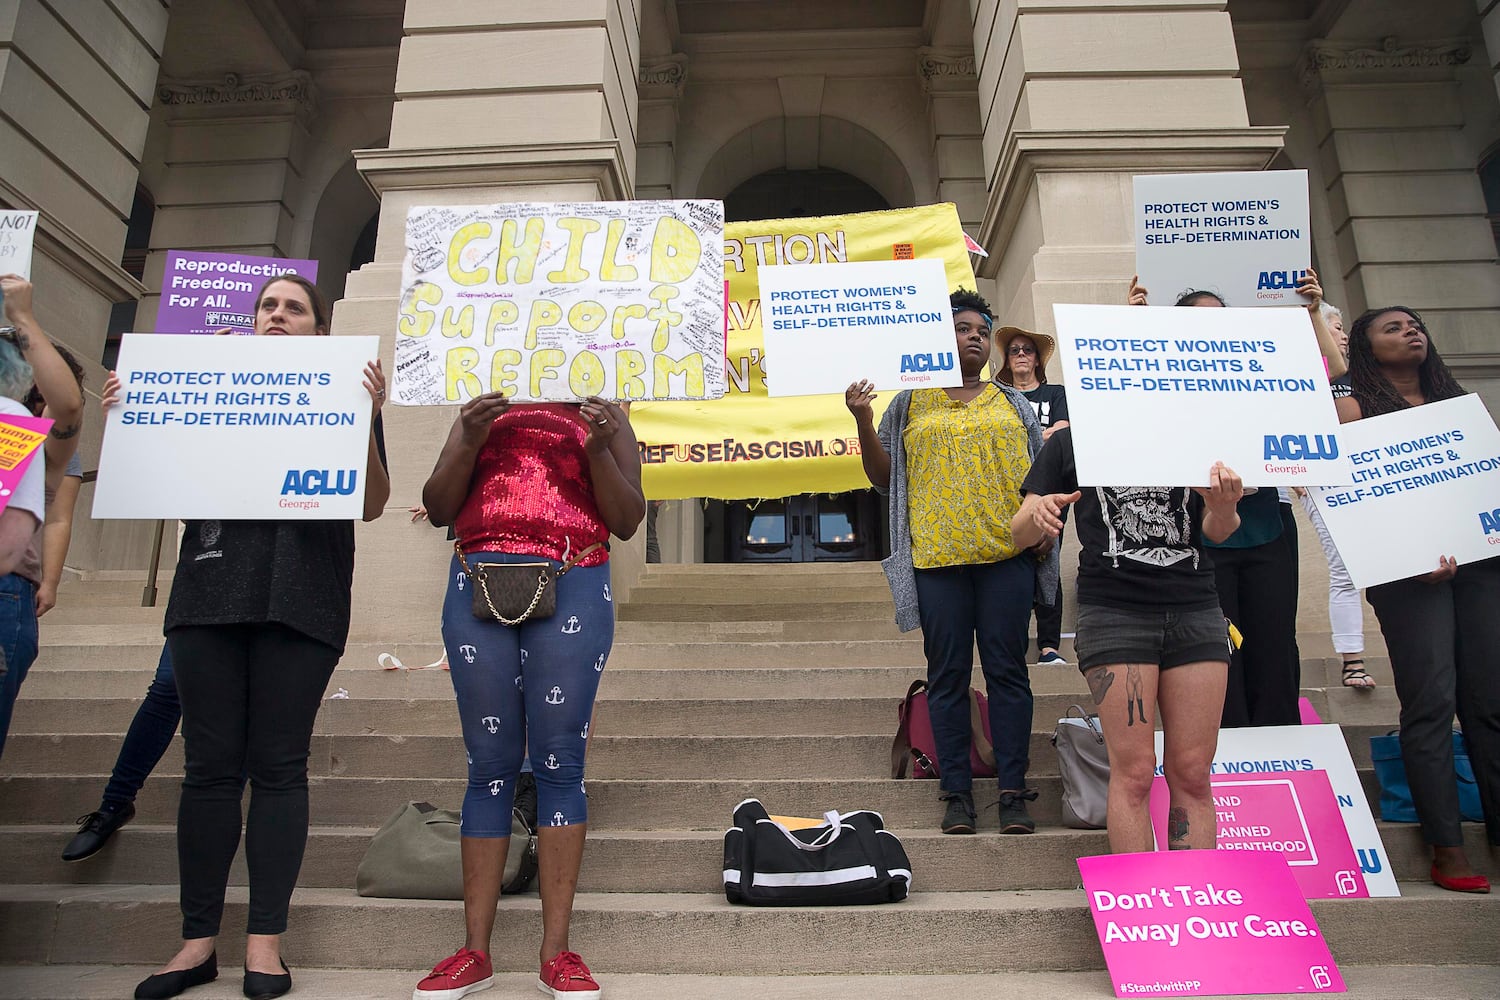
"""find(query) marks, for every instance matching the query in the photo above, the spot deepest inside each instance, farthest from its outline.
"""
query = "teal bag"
(1395, 793)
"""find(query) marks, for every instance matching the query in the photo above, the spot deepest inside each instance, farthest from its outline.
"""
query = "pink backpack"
(914, 743)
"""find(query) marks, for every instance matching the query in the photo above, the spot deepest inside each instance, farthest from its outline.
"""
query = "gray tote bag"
(1084, 762)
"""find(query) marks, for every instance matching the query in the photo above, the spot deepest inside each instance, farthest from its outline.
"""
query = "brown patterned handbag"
(512, 593)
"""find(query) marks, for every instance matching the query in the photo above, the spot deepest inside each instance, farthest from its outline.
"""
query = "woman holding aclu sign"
(1442, 629)
(953, 461)
(257, 620)
(533, 493)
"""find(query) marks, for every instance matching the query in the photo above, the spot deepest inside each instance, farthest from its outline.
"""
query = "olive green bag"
(415, 855)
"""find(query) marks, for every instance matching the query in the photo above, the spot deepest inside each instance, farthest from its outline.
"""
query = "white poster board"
(1243, 236)
(623, 300)
(1272, 750)
(829, 325)
(17, 234)
(1156, 396)
(1435, 466)
(269, 428)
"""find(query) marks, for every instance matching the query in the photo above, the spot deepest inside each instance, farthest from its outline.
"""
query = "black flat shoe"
(169, 984)
(94, 831)
(267, 986)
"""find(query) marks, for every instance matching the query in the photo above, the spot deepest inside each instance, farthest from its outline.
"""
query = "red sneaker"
(458, 975)
(567, 978)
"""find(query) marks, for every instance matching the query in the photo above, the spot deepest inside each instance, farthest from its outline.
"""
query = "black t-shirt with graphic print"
(292, 573)
(1050, 402)
(1142, 546)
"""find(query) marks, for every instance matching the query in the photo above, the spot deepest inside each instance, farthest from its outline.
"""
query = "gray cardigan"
(899, 571)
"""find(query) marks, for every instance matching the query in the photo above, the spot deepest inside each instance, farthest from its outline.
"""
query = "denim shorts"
(1166, 638)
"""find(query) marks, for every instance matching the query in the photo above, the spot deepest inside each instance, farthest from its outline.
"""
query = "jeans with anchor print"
(527, 687)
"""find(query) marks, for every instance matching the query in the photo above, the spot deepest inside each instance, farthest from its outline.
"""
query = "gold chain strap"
(484, 589)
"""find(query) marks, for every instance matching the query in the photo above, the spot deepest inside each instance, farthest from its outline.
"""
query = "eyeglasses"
(1021, 349)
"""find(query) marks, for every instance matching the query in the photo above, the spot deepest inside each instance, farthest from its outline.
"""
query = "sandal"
(1355, 676)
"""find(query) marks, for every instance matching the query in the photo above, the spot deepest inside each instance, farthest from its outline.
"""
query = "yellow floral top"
(965, 465)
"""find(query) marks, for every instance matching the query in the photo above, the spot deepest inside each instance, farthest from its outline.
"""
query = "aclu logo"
(942, 362)
(1490, 522)
(1297, 447)
(319, 482)
(1279, 280)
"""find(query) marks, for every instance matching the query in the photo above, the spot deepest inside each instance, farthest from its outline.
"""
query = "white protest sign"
(1437, 466)
(828, 325)
(1157, 396)
(1270, 751)
(1243, 236)
(623, 300)
(270, 428)
(17, 233)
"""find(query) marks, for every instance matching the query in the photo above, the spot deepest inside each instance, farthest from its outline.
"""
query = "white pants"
(1345, 614)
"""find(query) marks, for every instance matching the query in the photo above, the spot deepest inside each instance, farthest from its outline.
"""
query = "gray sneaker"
(1013, 815)
(959, 816)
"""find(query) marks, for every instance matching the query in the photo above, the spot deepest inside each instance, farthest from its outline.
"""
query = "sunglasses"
(1021, 349)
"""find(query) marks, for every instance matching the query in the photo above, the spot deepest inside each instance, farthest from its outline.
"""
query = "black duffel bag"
(848, 859)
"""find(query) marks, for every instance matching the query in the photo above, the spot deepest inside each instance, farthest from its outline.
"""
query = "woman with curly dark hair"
(1441, 628)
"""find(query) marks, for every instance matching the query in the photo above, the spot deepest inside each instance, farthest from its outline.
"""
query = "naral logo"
(1296, 447)
(319, 482)
(1490, 521)
(926, 362)
(1279, 279)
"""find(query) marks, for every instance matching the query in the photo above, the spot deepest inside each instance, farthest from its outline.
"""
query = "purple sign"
(207, 292)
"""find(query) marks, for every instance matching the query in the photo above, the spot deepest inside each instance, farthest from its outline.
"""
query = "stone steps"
(109, 982)
(677, 860)
(1042, 930)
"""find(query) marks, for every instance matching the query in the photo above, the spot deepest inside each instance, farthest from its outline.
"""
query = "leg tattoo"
(1177, 829)
(1099, 679)
(1135, 700)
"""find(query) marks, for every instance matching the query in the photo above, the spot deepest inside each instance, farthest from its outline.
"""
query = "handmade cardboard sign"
(1205, 923)
(237, 427)
(209, 292)
(623, 300)
(1437, 466)
(1242, 236)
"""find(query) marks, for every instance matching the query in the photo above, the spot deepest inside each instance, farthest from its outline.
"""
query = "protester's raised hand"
(1048, 512)
(1447, 568)
(110, 395)
(1225, 488)
(477, 414)
(1137, 295)
(375, 386)
(860, 398)
(17, 291)
(1310, 289)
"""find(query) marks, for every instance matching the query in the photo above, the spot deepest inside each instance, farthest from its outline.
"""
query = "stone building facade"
(305, 128)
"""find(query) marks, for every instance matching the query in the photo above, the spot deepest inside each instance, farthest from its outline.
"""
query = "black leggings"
(249, 696)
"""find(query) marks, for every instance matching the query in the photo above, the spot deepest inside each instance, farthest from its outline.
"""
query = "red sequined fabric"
(531, 492)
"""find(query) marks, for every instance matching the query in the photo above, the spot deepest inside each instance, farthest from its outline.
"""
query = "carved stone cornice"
(663, 77)
(1323, 60)
(235, 91)
(946, 69)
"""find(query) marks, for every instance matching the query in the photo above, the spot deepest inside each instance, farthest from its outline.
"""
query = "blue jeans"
(992, 601)
(150, 734)
(17, 642)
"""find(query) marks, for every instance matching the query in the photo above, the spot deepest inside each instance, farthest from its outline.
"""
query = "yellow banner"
(748, 445)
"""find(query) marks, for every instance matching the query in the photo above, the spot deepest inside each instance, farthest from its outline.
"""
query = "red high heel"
(1468, 883)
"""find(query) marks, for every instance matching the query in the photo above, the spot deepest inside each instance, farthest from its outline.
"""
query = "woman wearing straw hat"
(1023, 361)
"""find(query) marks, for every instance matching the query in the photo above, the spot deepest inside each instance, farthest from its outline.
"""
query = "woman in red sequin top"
(521, 483)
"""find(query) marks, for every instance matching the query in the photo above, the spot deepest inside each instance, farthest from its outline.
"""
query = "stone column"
(494, 102)
(76, 82)
(1406, 203)
(1489, 19)
(1075, 101)
(949, 79)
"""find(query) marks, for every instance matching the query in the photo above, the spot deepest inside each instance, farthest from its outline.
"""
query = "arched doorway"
(809, 527)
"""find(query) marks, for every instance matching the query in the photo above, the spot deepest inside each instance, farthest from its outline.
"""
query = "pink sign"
(1205, 923)
(1294, 813)
(20, 439)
